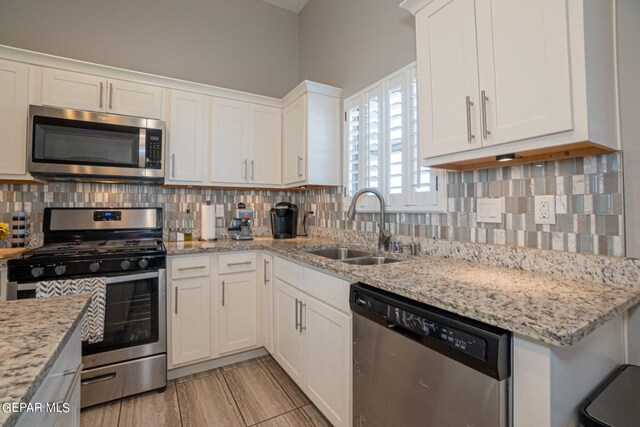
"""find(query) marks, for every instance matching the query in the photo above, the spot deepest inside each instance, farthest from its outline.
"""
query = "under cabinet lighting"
(506, 157)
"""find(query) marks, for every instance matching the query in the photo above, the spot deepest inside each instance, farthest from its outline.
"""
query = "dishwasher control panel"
(420, 326)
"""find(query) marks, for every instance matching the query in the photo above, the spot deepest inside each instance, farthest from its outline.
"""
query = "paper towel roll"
(208, 221)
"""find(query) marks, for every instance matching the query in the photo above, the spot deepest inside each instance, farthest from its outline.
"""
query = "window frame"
(409, 200)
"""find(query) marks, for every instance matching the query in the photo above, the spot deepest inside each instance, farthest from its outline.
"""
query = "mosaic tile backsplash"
(589, 207)
(588, 193)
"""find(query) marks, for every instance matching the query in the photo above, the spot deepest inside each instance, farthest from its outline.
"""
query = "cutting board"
(10, 252)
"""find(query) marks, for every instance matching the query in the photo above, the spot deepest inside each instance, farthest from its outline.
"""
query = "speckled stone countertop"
(553, 309)
(33, 332)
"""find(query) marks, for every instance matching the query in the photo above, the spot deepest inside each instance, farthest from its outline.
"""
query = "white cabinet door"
(14, 104)
(67, 89)
(328, 361)
(265, 298)
(266, 140)
(288, 339)
(134, 99)
(190, 313)
(187, 129)
(523, 50)
(447, 74)
(229, 163)
(238, 319)
(294, 141)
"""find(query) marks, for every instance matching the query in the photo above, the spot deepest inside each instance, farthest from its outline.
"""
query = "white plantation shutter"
(382, 149)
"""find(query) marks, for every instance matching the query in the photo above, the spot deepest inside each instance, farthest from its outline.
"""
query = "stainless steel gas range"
(123, 245)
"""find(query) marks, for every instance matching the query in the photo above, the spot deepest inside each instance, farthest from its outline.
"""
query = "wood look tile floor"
(256, 392)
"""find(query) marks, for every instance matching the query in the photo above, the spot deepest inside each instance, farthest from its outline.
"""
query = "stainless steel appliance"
(124, 245)
(284, 220)
(65, 143)
(416, 365)
(240, 226)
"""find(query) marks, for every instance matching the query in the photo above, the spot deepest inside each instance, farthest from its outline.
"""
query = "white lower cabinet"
(238, 313)
(189, 309)
(265, 300)
(312, 339)
(60, 387)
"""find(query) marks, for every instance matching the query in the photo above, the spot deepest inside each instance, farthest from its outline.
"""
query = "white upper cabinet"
(311, 136)
(503, 76)
(68, 89)
(187, 138)
(245, 144)
(448, 77)
(229, 141)
(14, 103)
(266, 138)
(523, 51)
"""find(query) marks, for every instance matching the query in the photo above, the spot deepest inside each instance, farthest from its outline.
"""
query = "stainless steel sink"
(339, 253)
(370, 260)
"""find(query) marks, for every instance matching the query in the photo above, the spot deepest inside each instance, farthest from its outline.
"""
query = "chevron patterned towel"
(92, 328)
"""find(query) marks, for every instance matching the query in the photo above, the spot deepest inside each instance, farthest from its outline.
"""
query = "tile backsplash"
(588, 193)
(589, 207)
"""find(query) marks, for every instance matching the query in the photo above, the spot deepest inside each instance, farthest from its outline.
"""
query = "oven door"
(135, 320)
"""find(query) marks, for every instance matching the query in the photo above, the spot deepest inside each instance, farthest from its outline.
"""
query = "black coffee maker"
(284, 220)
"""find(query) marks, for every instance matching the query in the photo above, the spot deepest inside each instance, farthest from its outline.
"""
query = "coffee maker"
(284, 220)
(240, 227)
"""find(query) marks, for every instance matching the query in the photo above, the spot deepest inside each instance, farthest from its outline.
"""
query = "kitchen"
(236, 82)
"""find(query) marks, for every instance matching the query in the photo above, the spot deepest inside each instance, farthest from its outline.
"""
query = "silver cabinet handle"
(173, 165)
(101, 87)
(470, 136)
(266, 279)
(253, 170)
(302, 305)
(197, 267)
(484, 98)
(110, 96)
(297, 323)
(176, 309)
(72, 387)
(246, 170)
(234, 264)
(299, 168)
(223, 293)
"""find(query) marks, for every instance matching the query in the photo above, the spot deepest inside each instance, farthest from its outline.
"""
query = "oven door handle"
(130, 277)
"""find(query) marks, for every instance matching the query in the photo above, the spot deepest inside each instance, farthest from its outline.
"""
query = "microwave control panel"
(154, 149)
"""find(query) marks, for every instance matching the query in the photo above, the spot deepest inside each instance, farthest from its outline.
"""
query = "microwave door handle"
(142, 148)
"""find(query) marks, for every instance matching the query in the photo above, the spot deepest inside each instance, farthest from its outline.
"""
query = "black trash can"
(615, 402)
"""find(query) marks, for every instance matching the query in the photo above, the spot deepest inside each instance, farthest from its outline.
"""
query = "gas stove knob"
(60, 269)
(143, 263)
(94, 266)
(125, 264)
(37, 271)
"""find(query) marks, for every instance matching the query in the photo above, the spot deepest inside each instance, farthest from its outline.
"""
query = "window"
(382, 150)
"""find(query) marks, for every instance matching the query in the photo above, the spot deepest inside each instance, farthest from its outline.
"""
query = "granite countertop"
(33, 332)
(549, 308)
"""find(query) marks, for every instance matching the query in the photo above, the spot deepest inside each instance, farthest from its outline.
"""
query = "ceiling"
(292, 5)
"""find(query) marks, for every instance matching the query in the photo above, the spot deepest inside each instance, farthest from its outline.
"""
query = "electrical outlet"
(545, 209)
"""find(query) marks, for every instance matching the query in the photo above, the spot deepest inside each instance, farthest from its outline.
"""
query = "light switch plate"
(489, 210)
(545, 209)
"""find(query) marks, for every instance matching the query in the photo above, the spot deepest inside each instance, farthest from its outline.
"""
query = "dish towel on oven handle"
(92, 328)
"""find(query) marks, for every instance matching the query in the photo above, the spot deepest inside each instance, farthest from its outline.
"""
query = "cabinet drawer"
(328, 289)
(236, 262)
(289, 272)
(190, 266)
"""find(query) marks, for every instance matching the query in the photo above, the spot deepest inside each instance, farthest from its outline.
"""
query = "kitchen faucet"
(384, 237)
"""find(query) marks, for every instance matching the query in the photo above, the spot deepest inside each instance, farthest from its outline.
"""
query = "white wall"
(247, 45)
(628, 21)
(353, 43)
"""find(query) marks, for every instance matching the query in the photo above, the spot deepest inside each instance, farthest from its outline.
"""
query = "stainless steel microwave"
(73, 144)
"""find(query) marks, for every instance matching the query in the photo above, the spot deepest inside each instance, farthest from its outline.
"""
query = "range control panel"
(107, 216)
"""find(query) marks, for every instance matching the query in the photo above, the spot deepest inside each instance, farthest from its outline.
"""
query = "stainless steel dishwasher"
(416, 365)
